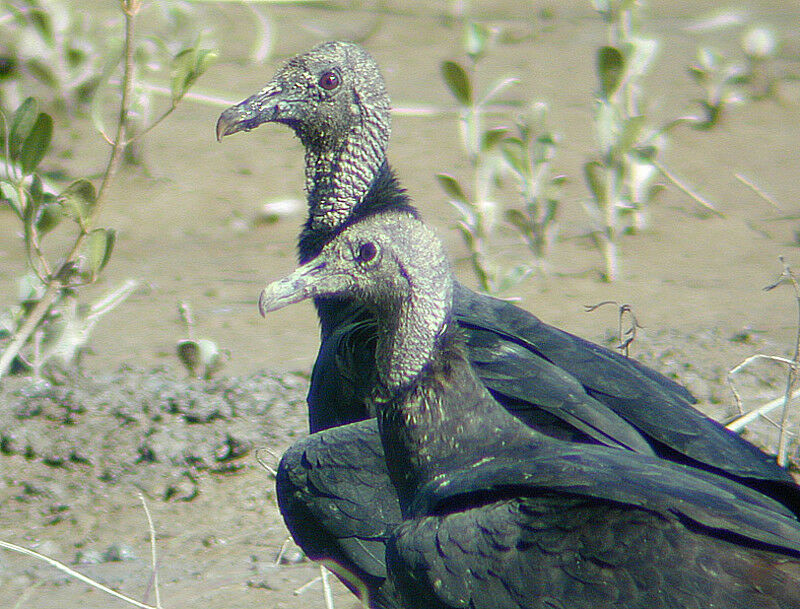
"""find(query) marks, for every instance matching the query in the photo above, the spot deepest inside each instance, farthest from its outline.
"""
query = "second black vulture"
(335, 100)
(496, 514)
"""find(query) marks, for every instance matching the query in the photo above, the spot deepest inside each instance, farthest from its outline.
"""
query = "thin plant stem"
(739, 423)
(791, 375)
(55, 285)
(743, 421)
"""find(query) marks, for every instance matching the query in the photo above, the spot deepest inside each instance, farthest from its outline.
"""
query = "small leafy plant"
(529, 153)
(48, 320)
(722, 81)
(726, 82)
(622, 178)
(477, 212)
(54, 46)
(201, 357)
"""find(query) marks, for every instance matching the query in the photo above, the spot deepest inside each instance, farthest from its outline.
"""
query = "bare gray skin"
(341, 116)
(412, 291)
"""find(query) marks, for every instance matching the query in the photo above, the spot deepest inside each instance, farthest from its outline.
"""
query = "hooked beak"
(252, 112)
(310, 280)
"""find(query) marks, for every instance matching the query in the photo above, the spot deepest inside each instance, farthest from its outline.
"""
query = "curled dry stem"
(625, 334)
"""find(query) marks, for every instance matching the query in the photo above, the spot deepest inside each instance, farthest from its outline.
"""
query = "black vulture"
(499, 515)
(334, 99)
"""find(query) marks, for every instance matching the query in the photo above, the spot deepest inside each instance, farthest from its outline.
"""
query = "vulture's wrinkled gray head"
(393, 263)
(335, 100)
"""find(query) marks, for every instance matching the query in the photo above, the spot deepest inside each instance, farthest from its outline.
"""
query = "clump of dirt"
(144, 428)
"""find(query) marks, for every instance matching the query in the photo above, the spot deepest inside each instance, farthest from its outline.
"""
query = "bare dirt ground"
(73, 457)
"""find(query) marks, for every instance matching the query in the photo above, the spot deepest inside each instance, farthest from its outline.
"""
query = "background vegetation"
(570, 154)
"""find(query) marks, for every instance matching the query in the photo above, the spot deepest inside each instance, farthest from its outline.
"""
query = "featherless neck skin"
(433, 412)
(408, 338)
(442, 420)
(339, 172)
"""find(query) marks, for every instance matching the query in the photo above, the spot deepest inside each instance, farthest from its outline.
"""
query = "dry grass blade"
(263, 463)
(24, 596)
(90, 582)
(681, 185)
(153, 558)
(759, 191)
(326, 587)
(787, 276)
(72, 573)
(740, 423)
(307, 585)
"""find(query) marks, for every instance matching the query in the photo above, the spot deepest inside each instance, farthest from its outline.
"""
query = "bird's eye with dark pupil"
(367, 251)
(329, 81)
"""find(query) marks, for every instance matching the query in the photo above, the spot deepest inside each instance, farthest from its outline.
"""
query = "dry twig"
(787, 276)
(626, 335)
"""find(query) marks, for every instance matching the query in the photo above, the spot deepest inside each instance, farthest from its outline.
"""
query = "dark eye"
(367, 252)
(330, 80)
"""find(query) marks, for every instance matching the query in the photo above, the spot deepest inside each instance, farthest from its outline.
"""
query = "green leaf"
(209, 351)
(491, 137)
(50, 214)
(497, 88)
(610, 67)
(631, 130)
(641, 176)
(42, 72)
(189, 355)
(205, 59)
(36, 144)
(78, 199)
(99, 246)
(594, 173)
(21, 125)
(467, 214)
(30, 288)
(642, 52)
(451, 186)
(181, 73)
(607, 126)
(467, 234)
(10, 195)
(187, 67)
(36, 189)
(519, 220)
(699, 75)
(708, 59)
(514, 154)
(40, 20)
(458, 82)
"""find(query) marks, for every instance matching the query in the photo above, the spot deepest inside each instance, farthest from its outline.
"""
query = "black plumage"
(332, 489)
(334, 98)
(496, 514)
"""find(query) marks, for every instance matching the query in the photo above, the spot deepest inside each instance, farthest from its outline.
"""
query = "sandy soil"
(74, 457)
